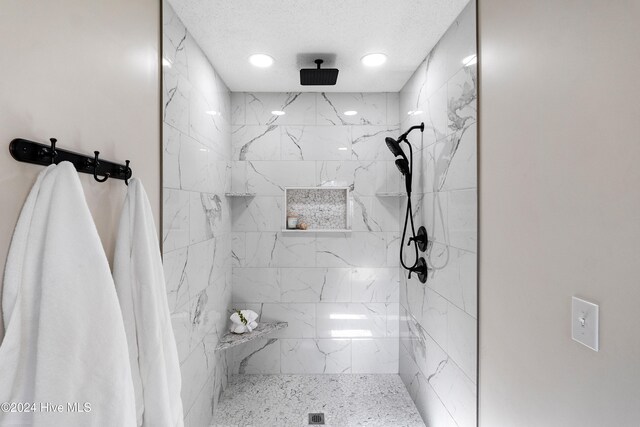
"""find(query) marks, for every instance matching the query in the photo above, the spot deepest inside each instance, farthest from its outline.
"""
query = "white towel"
(64, 337)
(139, 278)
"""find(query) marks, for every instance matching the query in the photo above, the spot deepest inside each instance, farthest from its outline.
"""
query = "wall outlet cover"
(584, 322)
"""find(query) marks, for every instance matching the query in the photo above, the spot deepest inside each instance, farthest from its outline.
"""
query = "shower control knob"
(421, 269)
(422, 239)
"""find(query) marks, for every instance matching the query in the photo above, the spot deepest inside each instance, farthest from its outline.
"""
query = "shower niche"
(316, 210)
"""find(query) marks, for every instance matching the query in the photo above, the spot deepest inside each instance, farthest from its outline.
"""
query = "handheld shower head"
(394, 147)
(403, 166)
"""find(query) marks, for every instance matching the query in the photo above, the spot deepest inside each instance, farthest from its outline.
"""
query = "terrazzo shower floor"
(345, 400)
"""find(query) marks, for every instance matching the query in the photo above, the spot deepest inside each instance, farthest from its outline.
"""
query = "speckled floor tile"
(345, 399)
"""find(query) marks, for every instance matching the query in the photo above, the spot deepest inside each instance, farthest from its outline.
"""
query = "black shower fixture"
(318, 76)
(421, 240)
(394, 147)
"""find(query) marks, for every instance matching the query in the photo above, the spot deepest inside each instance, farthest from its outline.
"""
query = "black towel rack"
(27, 151)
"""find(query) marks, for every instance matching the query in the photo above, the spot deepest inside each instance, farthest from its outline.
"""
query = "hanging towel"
(139, 278)
(64, 341)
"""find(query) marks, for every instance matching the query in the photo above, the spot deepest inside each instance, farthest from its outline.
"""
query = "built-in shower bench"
(231, 340)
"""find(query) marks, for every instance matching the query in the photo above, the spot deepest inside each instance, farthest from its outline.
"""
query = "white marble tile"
(194, 377)
(374, 285)
(462, 219)
(315, 284)
(301, 319)
(316, 143)
(256, 285)
(202, 124)
(357, 249)
(194, 165)
(174, 35)
(435, 208)
(434, 317)
(270, 178)
(426, 400)
(366, 177)
(392, 241)
(393, 108)
(457, 392)
(299, 108)
(170, 157)
(393, 181)
(351, 320)
(460, 40)
(462, 339)
(200, 413)
(454, 276)
(375, 356)
(371, 213)
(436, 126)
(238, 111)
(239, 177)
(255, 142)
(269, 249)
(368, 142)
(314, 356)
(456, 160)
(199, 268)
(462, 95)
(176, 96)
(261, 356)
(205, 216)
(238, 253)
(371, 108)
(174, 264)
(175, 220)
(260, 213)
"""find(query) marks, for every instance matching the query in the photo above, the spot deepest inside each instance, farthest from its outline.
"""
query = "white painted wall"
(559, 211)
(86, 73)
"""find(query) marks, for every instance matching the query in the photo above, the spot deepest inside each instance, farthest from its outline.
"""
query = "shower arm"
(403, 137)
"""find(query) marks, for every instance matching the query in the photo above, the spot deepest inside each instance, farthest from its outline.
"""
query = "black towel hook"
(50, 151)
(126, 172)
(95, 169)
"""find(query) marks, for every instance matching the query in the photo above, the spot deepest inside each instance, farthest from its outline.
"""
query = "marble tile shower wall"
(339, 292)
(438, 321)
(196, 214)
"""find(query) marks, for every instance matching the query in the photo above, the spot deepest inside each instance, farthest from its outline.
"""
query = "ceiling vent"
(318, 76)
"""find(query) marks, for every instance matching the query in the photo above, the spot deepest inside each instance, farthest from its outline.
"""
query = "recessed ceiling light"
(414, 113)
(350, 113)
(166, 62)
(212, 113)
(342, 148)
(470, 60)
(374, 59)
(261, 60)
(278, 113)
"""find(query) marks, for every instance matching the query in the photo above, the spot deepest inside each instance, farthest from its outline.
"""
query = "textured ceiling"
(295, 32)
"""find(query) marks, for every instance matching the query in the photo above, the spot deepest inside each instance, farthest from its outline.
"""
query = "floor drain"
(317, 418)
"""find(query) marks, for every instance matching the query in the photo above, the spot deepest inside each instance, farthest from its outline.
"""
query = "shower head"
(403, 167)
(394, 147)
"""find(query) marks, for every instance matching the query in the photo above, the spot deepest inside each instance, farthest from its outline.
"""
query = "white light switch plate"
(584, 322)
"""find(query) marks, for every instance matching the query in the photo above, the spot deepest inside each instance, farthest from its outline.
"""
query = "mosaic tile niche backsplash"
(338, 291)
(438, 321)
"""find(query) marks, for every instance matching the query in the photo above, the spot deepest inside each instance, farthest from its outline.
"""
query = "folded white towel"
(64, 337)
(139, 278)
(240, 326)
